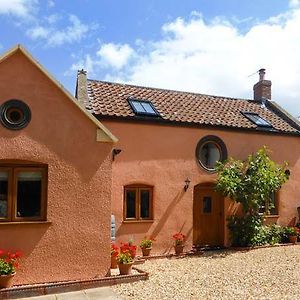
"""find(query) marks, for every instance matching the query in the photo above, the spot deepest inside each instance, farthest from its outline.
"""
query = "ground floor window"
(138, 203)
(273, 210)
(22, 193)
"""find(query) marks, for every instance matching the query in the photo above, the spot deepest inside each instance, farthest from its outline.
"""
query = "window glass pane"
(207, 205)
(130, 204)
(209, 155)
(29, 194)
(3, 194)
(273, 209)
(148, 108)
(258, 120)
(138, 106)
(145, 204)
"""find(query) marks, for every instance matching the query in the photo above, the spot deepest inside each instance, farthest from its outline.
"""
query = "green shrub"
(249, 231)
(245, 230)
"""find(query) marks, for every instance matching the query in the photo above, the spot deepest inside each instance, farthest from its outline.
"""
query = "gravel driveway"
(269, 273)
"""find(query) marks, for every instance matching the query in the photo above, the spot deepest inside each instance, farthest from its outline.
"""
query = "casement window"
(138, 203)
(274, 209)
(23, 192)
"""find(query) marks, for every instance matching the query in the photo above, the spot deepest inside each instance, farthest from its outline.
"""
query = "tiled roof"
(111, 100)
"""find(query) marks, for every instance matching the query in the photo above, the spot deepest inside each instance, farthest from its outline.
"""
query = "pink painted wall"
(164, 156)
(75, 244)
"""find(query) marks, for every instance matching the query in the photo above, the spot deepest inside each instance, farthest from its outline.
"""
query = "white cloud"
(87, 64)
(212, 57)
(294, 3)
(57, 37)
(115, 55)
(19, 8)
(38, 32)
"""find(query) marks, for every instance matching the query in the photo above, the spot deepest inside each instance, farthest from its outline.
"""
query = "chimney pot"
(262, 73)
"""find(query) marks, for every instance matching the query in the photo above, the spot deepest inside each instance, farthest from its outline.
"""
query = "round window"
(15, 114)
(209, 151)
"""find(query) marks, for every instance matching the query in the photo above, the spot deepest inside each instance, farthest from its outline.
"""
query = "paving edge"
(42, 289)
(262, 247)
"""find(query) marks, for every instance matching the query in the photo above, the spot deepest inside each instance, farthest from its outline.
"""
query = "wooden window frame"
(138, 189)
(276, 203)
(13, 170)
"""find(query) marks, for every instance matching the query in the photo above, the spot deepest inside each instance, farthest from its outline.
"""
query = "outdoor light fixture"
(115, 152)
(187, 184)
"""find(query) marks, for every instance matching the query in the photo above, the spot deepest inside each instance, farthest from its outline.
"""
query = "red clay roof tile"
(111, 99)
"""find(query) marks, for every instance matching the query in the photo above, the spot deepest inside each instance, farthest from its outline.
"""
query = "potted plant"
(125, 263)
(128, 247)
(9, 262)
(179, 242)
(292, 233)
(146, 246)
(114, 252)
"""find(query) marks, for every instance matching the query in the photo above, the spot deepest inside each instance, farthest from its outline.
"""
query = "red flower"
(179, 236)
(114, 250)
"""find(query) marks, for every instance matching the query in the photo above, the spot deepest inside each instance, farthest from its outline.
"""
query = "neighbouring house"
(55, 176)
(163, 171)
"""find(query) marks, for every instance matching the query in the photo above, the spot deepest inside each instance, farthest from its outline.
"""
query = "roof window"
(141, 107)
(257, 119)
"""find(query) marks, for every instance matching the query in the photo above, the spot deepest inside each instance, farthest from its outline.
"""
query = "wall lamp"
(187, 184)
(115, 152)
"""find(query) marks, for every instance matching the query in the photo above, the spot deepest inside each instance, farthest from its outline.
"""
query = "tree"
(251, 183)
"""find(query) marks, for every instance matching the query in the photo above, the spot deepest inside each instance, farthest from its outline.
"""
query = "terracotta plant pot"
(125, 269)
(6, 280)
(146, 251)
(178, 249)
(113, 262)
(293, 239)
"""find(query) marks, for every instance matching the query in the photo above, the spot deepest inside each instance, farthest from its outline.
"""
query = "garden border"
(42, 289)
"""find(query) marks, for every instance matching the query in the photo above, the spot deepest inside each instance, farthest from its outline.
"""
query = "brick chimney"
(262, 89)
(81, 88)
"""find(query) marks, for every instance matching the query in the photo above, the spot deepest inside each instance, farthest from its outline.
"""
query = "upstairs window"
(138, 203)
(210, 149)
(141, 107)
(257, 120)
(22, 193)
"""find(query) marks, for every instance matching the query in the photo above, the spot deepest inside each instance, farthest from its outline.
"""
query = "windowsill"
(270, 219)
(27, 223)
(271, 216)
(137, 221)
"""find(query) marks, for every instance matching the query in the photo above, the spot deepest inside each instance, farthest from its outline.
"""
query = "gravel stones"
(268, 273)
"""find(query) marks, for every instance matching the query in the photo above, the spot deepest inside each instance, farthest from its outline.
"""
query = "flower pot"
(6, 280)
(125, 269)
(293, 239)
(113, 262)
(146, 251)
(178, 249)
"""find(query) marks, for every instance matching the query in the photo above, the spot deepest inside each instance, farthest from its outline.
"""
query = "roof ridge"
(170, 90)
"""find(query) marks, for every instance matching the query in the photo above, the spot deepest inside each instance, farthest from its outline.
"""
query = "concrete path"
(104, 293)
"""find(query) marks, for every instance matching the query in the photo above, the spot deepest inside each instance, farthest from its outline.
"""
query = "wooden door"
(208, 217)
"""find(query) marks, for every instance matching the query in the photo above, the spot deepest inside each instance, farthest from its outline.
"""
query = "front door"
(208, 217)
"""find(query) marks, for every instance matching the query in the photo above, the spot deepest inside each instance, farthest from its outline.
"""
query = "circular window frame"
(15, 105)
(220, 145)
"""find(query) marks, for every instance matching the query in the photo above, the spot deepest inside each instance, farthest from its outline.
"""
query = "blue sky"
(206, 46)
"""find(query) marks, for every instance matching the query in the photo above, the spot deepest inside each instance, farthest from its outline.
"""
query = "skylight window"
(141, 107)
(257, 119)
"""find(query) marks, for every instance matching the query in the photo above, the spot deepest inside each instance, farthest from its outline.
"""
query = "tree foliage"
(251, 182)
